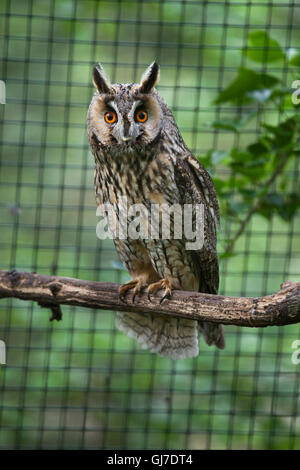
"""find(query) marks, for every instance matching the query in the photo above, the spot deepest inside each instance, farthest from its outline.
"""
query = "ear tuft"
(100, 80)
(150, 78)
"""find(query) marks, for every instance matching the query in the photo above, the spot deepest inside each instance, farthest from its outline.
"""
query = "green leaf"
(291, 206)
(282, 98)
(258, 148)
(262, 48)
(248, 159)
(226, 124)
(269, 204)
(213, 157)
(236, 124)
(294, 57)
(205, 159)
(246, 81)
(251, 166)
(261, 96)
(280, 93)
(248, 193)
(227, 254)
(219, 185)
(239, 156)
(285, 206)
(283, 133)
(238, 207)
(218, 156)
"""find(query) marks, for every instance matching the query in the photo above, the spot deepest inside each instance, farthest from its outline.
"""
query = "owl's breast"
(140, 181)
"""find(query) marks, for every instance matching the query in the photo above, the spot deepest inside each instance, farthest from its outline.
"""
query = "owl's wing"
(202, 186)
(196, 187)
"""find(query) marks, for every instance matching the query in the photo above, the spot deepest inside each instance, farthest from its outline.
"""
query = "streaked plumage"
(149, 163)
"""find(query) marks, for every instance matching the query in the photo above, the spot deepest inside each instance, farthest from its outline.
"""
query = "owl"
(140, 155)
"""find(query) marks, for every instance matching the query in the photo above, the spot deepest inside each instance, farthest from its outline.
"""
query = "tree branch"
(281, 308)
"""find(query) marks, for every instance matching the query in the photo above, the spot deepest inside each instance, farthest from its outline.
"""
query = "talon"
(166, 295)
(138, 288)
(124, 288)
(162, 284)
(138, 285)
(122, 297)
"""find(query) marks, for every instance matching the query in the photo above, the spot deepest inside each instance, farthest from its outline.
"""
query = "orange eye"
(110, 117)
(141, 115)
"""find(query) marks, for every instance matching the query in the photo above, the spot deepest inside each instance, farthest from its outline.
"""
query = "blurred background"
(80, 384)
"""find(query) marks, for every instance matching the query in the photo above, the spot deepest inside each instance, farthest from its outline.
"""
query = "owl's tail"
(212, 333)
(167, 336)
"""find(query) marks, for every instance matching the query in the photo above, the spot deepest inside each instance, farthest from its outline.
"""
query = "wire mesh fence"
(80, 383)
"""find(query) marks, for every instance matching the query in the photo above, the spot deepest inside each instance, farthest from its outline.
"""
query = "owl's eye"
(141, 115)
(110, 117)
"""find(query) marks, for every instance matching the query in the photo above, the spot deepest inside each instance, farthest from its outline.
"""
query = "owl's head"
(126, 116)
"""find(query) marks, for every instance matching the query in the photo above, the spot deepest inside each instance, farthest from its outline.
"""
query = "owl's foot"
(162, 284)
(136, 284)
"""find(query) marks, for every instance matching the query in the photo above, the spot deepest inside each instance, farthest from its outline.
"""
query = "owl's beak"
(126, 138)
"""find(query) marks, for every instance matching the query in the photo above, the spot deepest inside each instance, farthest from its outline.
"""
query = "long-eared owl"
(140, 155)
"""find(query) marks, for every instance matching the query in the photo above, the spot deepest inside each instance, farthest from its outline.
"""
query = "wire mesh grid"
(80, 383)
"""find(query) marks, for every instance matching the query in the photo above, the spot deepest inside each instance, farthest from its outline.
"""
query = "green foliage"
(242, 89)
(294, 58)
(262, 48)
(253, 171)
(284, 205)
